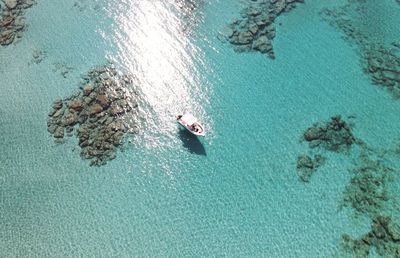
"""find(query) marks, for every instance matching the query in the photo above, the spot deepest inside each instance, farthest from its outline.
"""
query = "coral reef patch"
(334, 135)
(379, 60)
(307, 165)
(12, 20)
(101, 114)
(255, 30)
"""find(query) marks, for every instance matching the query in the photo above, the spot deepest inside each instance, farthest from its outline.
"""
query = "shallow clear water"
(233, 193)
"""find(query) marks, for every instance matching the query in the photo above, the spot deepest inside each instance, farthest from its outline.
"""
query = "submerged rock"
(12, 20)
(383, 66)
(7, 37)
(255, 30)
(306, 166)
(100, 128)
(38, 55)
(87, 89)
(62, 68)
(75, 104)
(384, 237)
(366, 191)
(11, 4)
(379, 60)
(335, 135)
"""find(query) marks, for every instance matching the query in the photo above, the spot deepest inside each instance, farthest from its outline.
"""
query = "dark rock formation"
(100, 114)
(306, 166)
(384, 236)
(62, 68)
(255, 30)
(38, 55)
(367, 191)
(381, 62)
(383, 66)
(86, 5)
(334, 135)
(12, 21)
(368, 194)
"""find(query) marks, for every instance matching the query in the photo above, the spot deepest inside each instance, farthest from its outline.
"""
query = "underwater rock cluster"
(12, 21)
(62, 68)
(381, 62)
(307, 165)
(100, 114)
(38, 55)
(188, 4)
(190, 13)
(334, 135)
(368, 194)
(366, 191)
(82, 5)
(255, 30)
(383, 65)
(384, 237)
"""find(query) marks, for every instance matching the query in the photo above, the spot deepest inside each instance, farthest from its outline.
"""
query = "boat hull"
(188, 127)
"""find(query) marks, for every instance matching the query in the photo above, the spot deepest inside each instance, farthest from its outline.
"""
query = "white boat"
(191, 124)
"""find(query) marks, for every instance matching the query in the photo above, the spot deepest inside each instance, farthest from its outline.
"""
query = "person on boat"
(179, 117)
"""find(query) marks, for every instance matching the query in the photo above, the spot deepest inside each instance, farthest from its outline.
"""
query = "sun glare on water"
(155, 49)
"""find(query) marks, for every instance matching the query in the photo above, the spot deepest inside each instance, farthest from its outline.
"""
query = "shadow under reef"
(191, 142)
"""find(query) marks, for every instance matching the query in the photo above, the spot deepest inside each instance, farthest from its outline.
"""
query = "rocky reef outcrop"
(369, 194)
(367, 191)
(383, 66)
(255, 29)
(384, 237)
(306, 166)
(38, 55)
(334, 135)
(100, 114)
(379, 60)
(12, 21)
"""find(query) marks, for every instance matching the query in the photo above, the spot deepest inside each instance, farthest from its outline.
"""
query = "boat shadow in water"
(191, 142)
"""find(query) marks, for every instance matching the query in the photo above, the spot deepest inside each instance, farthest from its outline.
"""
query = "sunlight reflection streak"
(153, 46)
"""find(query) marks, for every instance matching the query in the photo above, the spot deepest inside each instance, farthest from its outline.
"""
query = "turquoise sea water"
(234, 193)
